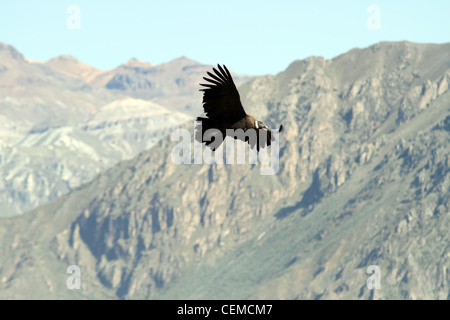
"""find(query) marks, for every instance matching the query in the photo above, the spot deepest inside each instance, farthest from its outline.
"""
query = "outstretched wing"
(221, 100)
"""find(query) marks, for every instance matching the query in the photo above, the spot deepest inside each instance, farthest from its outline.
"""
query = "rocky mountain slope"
(364, 180)
(50, 162)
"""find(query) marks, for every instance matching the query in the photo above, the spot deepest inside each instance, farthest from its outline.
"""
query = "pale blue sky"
(249, 36)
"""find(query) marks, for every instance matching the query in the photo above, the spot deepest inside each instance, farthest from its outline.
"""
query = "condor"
(224, 111)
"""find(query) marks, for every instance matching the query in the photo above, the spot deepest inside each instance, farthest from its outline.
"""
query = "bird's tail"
(203, 125)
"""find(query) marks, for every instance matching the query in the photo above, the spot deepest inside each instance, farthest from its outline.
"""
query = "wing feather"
(221, 100)
(212, 76)
(220, 75)
(224, 74)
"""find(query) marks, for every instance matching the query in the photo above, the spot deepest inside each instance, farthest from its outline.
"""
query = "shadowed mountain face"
(364, 180)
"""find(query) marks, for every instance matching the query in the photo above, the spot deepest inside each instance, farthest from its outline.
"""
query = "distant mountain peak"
(182, 61)
(8, 53)
(68, 60)
(134, 62)
(65, 58)
(71, 66)
(183, 58)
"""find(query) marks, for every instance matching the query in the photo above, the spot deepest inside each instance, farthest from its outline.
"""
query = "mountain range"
(63, 121)
(364, 180)
(173, 85)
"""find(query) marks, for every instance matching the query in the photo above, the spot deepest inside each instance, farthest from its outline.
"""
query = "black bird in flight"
(224, 110)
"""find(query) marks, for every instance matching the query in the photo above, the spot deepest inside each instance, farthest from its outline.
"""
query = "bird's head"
(260, 125)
